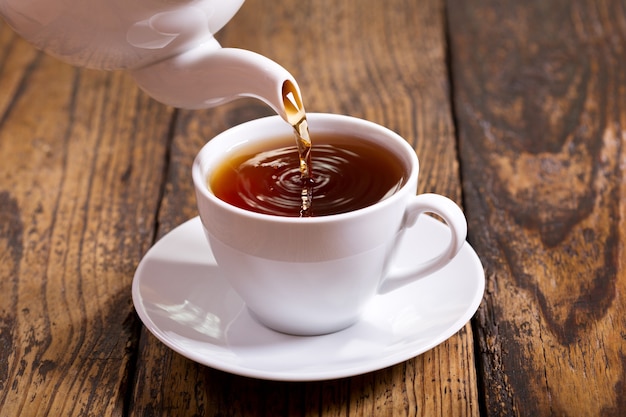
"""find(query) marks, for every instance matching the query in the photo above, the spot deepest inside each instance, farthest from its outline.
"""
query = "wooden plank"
(83, 156)
(384, 61)
(540, 93)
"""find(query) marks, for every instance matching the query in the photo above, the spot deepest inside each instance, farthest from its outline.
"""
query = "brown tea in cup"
(348, 173)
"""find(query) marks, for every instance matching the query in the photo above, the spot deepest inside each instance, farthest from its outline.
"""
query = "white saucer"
(182, 299)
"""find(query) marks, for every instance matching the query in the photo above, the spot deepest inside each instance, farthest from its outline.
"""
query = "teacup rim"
(199, 177)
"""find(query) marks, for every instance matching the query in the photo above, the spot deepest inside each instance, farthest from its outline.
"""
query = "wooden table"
(517, 111)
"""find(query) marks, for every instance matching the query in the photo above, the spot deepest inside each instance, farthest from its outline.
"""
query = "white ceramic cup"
(315, 275)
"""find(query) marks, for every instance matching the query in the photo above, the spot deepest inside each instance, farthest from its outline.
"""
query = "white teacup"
(315, 275)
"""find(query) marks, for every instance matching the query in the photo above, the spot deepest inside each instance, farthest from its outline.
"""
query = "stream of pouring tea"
(296, 116)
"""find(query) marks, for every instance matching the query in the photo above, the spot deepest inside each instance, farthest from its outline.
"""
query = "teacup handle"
(452, 215)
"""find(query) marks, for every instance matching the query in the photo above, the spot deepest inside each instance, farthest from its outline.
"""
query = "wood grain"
(540, 93)
(83, 156)
(389, 66)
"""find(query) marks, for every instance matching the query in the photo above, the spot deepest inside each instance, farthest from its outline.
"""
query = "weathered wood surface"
(386, 64)
(93, 172)
(540, 99)
(83, 155)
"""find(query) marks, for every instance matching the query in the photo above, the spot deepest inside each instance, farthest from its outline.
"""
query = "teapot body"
(117, 34)
(167, 46)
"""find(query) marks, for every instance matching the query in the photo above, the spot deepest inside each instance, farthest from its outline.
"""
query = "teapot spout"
(208, 75)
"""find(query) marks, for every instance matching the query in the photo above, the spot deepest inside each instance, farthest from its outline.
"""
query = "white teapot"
(166, 45)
